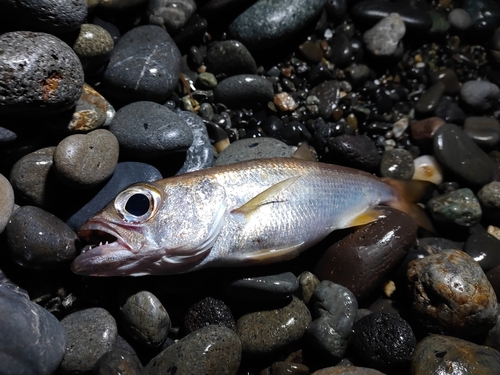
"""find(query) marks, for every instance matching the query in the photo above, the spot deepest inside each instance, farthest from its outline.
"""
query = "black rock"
(483, 248)
(229, 57)
(448, 109)
(356, 151)
(244, 91)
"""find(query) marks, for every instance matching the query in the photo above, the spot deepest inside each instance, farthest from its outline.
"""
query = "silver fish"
(252, 212)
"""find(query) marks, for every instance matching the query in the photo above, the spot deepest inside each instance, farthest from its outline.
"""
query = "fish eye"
(137, 204)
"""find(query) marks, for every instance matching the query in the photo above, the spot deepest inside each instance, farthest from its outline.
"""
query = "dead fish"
(253, 212)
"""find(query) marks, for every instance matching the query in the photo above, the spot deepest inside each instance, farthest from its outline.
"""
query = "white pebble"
(400, 126)
(427, 169)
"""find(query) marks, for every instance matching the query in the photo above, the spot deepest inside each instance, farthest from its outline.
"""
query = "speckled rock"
(384, 38)
(93, 46)
(6, 201)
(38, 239)
(269, 331)
(144, 65)
(244, 90)
(270, 22)
(42, 74)
(459, 207)
(437, 354)
(397, 163)
(145, 319)
(264, 287)
(170, 14)
(230, 57)
(212, 350)
(452, 294)
(86, 160)
(252, 148)
(206, 312)
(91, 333)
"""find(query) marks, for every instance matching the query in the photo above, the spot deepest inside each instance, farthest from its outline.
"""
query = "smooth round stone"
(484, 131)
(342, 50)
(323, 340)
(448, 77)
(91, 111)
(479, 95)
(148, 130)
(253, 148)
(51, 16)
(384, 38)
(93, 46)
(229, 57)
(144, 65)
(397, 163)
(427, 169)
(126, 173)
(459, 19)
(206, 81)
(452, 294)
(483, 248)
(244, 91)
(6, 202)
(38, 239)
(356, 151)
(200, 154)
(118, 361)
(212, 350)
(328, 94)
(362, 260)
(268, 23)
(383, 341)
(145, 319)
(206, 312)
(86, 160)
(430, 98)
(307, 284)
(45, 75)
(347, 370)
(489, 197)
(91, 333)
(32, 341)
(291, 368)
(457, 153)
(170, 14)
(264, 287)
(459, 207)
(269, 331)
(437, 354)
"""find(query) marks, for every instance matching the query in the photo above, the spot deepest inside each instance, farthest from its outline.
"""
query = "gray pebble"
(38, 239)
(170, 14)
(459, 207)
(459, 19)
(145, 319)
(148, 130)
(268, 331)
(479, 95)
(6, 201)
(244, 91)
(384, 39)
(264, 287)
(86, 160)
(229, 57)
(397, 163)
(212, 350)
(253, 148)
(93, 46)
(91, 333)
(46, 78)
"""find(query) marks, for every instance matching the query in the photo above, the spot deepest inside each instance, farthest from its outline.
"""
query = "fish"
(247, 213)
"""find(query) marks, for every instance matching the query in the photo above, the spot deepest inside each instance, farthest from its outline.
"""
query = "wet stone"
(451, 294)
(459, 207)
(342, 50)
(356, 151)
(269, 331)
(307, 284)
(383, 341)
(484, 131)
(347, 370)
(6, 202)
(229, 57)
(480, 96)
(459, 19)
(289, 368)
(244, 91)
(324, 340)
(449, 110)
(397, 163)
(93, 46)
(448, 77)
(252, 148)
(32, 341)
(483, 248)
(118, 361)
(430, 98)
(91, 333)
(489, 197)
(47, 77)
(206, 312)
(264, 287)
(328, 94)
(384, 38)
(212, 350)
(170, 14)
(145, 319)
(91, 111)
(38, 239)
(437, 354)
(86, 160)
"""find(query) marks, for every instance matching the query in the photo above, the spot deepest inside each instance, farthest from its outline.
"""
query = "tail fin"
(409, 192)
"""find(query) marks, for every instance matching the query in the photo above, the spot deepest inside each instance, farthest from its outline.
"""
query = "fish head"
(151, 228)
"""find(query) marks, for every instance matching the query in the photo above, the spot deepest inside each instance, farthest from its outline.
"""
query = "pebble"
(212, 350)
(91, 111)
(206, 81)
(269, 331)
(449, 110)
(91, 332)
(86, 160)
(459, 207)
(383, 341)
(485, 15)
(355, 151)
(32, 341)
(206, 312)
(480, 96)
(148, 130)
(93, 46)
(438, 354)
(307, 284)
(269, 287)
(452, 294)
(251, 148)
(37, 239)
(397, 163)
(200, 154)
(384, 39)
(483, 248)
(430, 98)
(391, 236)
(324, 341)
(268, 23)
(170, 14)
(42, 74)
(285, 102)
(427, 169)
(489, 197)
(328, 94)
(118, 361)
(459, 19)
(347, 370)
(244, 90)
(144, 65)
(120, 4)
(230, 58)
(457, 153)
(6, 202)
(484, 131)
(448, 77)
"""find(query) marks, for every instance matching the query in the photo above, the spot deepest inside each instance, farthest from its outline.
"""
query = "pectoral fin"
(266, 197)
(366, 217)
(274, 255)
